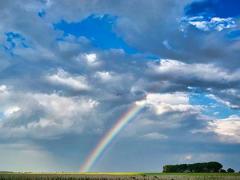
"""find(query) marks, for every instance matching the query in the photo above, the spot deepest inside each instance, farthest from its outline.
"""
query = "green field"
(122, 176)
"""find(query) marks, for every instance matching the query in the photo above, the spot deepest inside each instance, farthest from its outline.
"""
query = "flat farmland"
(121, 176)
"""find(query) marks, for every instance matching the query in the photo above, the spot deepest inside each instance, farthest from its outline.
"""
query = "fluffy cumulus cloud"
(195, 74)
(63, 78)
(162, 103)
(69, 70)
(226, 129)
(45, 115)
(164, 113)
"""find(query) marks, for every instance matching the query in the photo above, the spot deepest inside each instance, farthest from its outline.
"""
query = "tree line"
(206, 167)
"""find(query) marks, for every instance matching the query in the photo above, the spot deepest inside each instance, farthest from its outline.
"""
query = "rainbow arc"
(109, 136)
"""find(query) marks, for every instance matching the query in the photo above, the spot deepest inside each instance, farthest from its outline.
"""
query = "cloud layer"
(61, 90)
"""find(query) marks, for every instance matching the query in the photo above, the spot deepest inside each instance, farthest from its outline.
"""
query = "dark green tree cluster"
(230, 170)
(196, 167)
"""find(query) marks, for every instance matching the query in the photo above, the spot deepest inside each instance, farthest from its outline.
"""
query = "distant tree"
(223, 171)
(196, 167)
(214, 166)
(230, 170)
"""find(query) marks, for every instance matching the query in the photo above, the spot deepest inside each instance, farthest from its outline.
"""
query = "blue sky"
(214, 8)
(97, 28)
(69, 70)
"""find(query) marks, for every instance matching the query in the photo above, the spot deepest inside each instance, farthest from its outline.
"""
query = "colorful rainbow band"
(109, 136)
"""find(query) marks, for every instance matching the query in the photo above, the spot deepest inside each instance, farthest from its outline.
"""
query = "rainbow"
(110, 135)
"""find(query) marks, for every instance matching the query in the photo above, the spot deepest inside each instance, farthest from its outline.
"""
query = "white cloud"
(64, 106)
(168, 102)
(200, 25)
(214, 23)
(188, 157)
(42, 123)
(154, 136)
(192, 72)
(4, 93)
(226, 129)
(3, 89)
(104, 75)
(90, 59)
(222, 101)
(64, 78)
(52, 114)
(11, 110)
(64, 114)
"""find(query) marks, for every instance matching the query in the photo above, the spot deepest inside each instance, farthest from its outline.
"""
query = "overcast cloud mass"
(69, 69)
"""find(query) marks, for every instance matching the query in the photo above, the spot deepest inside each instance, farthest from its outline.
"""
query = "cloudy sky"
(69, 69)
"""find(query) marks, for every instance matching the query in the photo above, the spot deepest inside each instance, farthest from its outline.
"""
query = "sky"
(70, 70)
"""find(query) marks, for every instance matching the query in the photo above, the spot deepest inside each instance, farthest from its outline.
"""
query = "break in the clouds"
(69, 70)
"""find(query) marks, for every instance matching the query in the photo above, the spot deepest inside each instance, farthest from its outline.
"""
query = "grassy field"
(122, 176)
